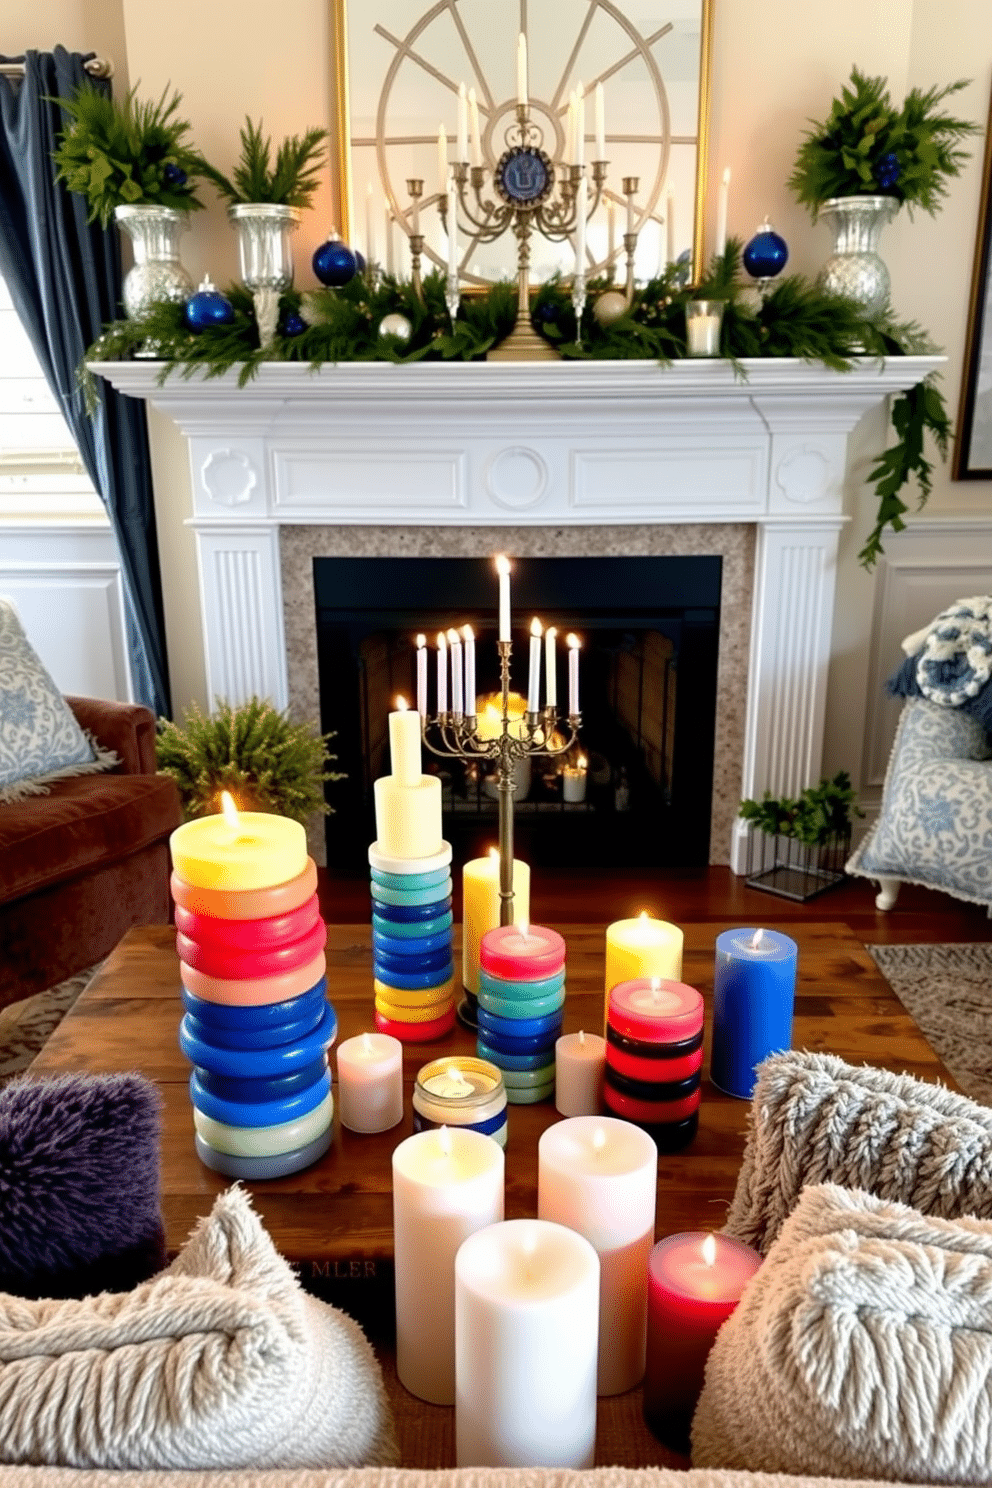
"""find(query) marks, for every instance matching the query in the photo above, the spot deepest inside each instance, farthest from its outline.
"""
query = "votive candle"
(580, 1063)
(370, 1082)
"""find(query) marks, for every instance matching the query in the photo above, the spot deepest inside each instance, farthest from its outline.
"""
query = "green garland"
(795, 319)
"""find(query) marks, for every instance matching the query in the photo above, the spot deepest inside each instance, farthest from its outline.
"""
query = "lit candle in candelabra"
(442, 673)
(469, 638)
(600, 116)
(457, 679)
(534, 677)
(570, 132)
(721, 212)
(475, 132)
(442, 159)
(422, 675)
(503, 569)
(550, 668)
(580, 125)
(522, 70)
(462, 123)
(573, 643)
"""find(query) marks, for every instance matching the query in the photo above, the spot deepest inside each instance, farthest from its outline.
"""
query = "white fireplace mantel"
(533, 444)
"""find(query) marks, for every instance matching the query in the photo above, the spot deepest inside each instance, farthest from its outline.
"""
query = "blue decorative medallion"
(524, 176)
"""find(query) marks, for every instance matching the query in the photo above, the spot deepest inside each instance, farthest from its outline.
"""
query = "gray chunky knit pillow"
(815, 1119)
(862, 1348)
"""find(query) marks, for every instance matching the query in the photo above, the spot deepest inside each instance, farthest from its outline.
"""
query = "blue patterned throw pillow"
(40, 740)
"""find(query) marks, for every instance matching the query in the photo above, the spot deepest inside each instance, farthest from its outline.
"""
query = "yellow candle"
(480, 908)
(240, 850)
(404, 744)
(642, 947)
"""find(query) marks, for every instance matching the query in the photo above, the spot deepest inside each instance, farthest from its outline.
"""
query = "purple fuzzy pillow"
(80, 1202)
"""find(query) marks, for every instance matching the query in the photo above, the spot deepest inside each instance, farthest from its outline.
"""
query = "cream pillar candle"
(370, 1082)
(526, 1327)
(480, 908)
(599, 1176)
(407, 802)
(580, 1067)
(446, 1185)
(404, 744)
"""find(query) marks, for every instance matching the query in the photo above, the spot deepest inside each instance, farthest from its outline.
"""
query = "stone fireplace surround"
(535, 459)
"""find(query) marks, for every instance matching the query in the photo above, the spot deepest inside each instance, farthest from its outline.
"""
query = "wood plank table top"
(334, 1220)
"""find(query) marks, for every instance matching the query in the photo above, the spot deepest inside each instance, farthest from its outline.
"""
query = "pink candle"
(694, 1283)
(655, 1010)
(522, 953)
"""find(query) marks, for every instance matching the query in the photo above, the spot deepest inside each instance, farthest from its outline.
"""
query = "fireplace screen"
(635, 791)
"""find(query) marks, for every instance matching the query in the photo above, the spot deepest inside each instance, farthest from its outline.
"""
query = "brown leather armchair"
(81, 865)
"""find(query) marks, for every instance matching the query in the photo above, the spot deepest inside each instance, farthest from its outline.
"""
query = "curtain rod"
(98, 67)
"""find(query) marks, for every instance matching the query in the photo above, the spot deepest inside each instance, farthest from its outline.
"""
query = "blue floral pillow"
(935, 825)
(40, 740)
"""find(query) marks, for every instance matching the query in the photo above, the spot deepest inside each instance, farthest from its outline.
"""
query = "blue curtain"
(64, 279)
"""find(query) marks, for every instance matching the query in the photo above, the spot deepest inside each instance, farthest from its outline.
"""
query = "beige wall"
(774, 68)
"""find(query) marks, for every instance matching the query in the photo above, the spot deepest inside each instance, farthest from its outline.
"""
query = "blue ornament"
(887, 170)
(173, 175)
(334, 263)
(360, 261)
(293, 324)
(208, 307)
(546, 313)
(766, 254)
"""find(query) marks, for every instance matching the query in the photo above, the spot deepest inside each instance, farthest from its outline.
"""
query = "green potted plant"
(266, 761)
(806, 838)
(132, 161)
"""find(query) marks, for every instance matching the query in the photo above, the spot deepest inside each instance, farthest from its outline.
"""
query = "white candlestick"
(503, 569)
(422, 675)
(404, 744)
(570, 130)
(462, 123)
(522, 69)
(599, 1176)
(611, 228)
(580, 1067)
(630, 211)
(475, 132)
(446, 1185)
(534, 675)
(573, 643)
(370, 1082)
(670, 227)
(390, 254)
(442, 159)
(457, 677)
(469, 638)
(369, 229)
(526, 1323)
(600, 115)
(452, 229)
(442, 673)
(580, 125)
(721, 212)
(580, 226)
(550, 668)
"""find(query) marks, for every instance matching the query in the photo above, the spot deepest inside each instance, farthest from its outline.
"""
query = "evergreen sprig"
(817, 815)
(267, 762)
(867, 146)
(131, 153)
(289, 181)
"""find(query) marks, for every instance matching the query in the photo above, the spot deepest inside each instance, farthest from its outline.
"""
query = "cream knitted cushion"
(220, 1361)
(861, 1348)
(815, 1119)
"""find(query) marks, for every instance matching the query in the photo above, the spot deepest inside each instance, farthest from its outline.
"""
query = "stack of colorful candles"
(654, 1058)
(257, 1025)
(411, 895)
(521, 1007)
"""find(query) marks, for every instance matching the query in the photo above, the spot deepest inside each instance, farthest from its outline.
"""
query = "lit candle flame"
(502, 564)
(598, 1140)
(551, 631)
(756, 939)
(581, 762)
(494, 855)
(366, 1044)
(462, 1086)
(536, 628)
(709, 1249)
(573, 641)
(524, 928)
(444, 1140)
(582, 1037)
(230, 811)
(402, 706)
(421, 642)
(453, 636)
(468, 633)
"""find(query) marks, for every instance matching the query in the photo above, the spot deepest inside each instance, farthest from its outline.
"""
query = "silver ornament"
(609, 307)
(395, 325)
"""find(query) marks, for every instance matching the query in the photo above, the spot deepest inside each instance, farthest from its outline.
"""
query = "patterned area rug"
(948, 991)
(26, 1026)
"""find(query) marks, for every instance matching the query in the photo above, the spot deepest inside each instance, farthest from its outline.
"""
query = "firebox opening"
(641, 795)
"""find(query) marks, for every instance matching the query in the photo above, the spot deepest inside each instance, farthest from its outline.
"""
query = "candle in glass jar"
(694, 1283)
(573, 781)
(703, 332)
(370, 1082)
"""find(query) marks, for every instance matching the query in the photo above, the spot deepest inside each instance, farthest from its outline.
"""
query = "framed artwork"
(636, 77)
(973, 445)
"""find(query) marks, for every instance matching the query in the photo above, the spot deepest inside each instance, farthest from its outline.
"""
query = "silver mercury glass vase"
(157, 273)
(265, 256)
(854, 268)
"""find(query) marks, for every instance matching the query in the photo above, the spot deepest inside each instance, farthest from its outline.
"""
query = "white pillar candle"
(475, 132)
(442, 673)
(370, 1082)
(703, 335)
(442, 160)
(534, 675)
(550, 668)
(452, 230)
(446, 1185)
(670, 227)
(580, 1068)
(468, 636)
(369, 227)
(599, 1175)
(503, 569)
(522, 69)
(457, 676)
(404, 744)
(526, 1325)
(462, 124)
(721, 211)
(600, 116)
(573, 643)
(422, 675)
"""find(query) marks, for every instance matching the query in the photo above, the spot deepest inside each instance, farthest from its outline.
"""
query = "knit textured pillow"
(862, 1348)
(221, 1361)
(80, 1199)
(815, 1119)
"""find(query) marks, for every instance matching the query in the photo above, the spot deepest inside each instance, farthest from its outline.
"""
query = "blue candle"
(753, 992)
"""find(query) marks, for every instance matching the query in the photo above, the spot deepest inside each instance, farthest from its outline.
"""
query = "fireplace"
(639, 782)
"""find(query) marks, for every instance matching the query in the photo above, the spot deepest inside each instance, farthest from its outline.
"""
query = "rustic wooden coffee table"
(334, 1220)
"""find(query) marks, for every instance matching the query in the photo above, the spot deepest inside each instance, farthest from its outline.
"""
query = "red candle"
(248, 935)
(654, 1010)
(522, 953)
(694, 1283)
